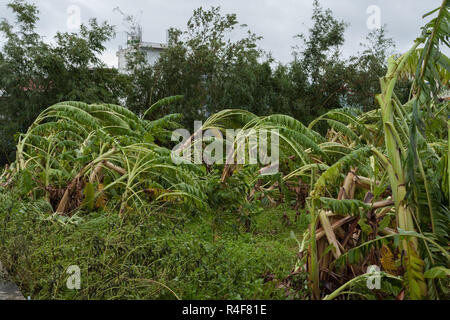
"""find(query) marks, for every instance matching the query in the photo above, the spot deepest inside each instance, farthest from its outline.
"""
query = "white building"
(152, 49)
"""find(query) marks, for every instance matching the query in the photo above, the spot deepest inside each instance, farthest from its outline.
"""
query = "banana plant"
(75, 143)
(408, 149)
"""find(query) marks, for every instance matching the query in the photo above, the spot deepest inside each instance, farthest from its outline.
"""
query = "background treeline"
(213, 71)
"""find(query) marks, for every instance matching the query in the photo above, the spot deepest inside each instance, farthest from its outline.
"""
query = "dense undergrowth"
(156, 254)
(98, 186)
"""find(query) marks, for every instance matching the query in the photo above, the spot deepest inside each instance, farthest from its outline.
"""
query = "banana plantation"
(357, 211)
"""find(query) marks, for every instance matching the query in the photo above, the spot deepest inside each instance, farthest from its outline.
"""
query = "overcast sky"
(277, 21)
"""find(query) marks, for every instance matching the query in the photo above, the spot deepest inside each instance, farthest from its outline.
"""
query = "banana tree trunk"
(396, 156)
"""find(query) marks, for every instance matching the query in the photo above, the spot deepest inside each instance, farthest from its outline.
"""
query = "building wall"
(122, 62)
(152, 55)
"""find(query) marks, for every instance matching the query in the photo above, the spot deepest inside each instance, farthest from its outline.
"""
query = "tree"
(324, 39)
(367, 67)
(316, 71)
(35, 74)
(204, 64)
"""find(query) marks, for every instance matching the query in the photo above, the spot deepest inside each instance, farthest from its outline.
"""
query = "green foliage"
(214, 73)
(342, 207)
(414, 276)
(159, 225)
(106, 133)
(367, 67)
(203, 64)
(437, 272)
(89, 196)
(325, 36)
(35, 73)
(334, 172)
(141, 255)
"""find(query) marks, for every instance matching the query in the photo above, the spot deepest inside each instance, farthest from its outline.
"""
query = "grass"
(149, 255)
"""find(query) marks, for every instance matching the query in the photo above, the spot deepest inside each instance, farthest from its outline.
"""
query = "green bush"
(146, 255)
